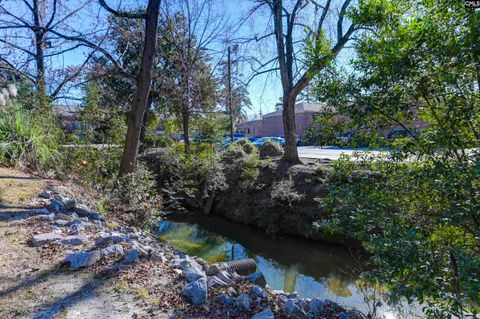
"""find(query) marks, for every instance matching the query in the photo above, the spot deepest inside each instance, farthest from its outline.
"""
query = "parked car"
(259, 142)
(228, 141)
(297, 139)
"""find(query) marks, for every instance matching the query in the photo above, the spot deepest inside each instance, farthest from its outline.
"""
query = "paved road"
(329, 152)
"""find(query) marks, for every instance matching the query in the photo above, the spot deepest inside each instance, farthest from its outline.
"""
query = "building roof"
(67, 110)
(302, 107)
(250, 122)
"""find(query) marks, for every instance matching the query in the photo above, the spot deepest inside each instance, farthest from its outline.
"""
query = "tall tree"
(419, 216)
(300, 27)
(190, 32)
(29, 46)
(144, 81)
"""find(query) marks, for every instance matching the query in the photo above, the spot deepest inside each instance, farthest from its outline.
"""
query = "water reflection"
(313, 269)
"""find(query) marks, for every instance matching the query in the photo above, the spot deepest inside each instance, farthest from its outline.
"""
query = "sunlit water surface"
(312, 269)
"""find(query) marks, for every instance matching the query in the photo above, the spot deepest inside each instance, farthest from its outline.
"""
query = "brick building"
(271, 124)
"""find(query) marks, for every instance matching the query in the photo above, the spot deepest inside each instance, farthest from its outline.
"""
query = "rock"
(225, 277)
(227, 300)
(60, 198)
(196, 292)
(215, 281)
(64, 216)
(74, 240)
(131, 256)
(232, 291)
(112, 238)
(45, 238)
(334, 306)
(56, 206)
(265, 314)
(70, 203)
(46, 194)
(143, 250)
(243, 302)
(48, 217)
(76, 225)
(343, 315)
(112, 250)
(60, 223)
(84, 211)
(259, 292)
(216, 268)
(294, 310)
(192, 269)
(193, 274)
(257, 278)
(81, 259)
(201, 262)
(316, 306)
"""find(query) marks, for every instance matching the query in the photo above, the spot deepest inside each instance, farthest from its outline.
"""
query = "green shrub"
(29, 138)
(270, 149)
(95, 166)
(247, 146)
(419, 220)
(135, 194)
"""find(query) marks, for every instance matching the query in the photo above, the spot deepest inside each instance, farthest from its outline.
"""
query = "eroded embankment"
(258, 192)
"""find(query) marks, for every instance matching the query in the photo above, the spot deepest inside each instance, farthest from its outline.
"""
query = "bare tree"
(144, 81)
(195, 27)
(29, 45)
(293, 24)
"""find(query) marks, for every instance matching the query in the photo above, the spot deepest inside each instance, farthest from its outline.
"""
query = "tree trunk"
(289, 129)
(41, 85)
(146, 118)
(186, 136)
(144, 82)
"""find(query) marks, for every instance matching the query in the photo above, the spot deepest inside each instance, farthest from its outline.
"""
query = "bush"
(270, 149)
(419, 220)
(95, 166)
(246, 145)
(135, 194)
(29, 138)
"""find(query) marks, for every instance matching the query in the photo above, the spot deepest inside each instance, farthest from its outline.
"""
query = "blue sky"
(264, 90)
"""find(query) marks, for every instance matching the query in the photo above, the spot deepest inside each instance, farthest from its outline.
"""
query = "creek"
(312, 269)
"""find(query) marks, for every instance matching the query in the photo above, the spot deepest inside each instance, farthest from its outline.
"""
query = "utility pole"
(229, 98)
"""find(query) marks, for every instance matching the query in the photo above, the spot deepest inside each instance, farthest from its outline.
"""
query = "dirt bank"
(258, 192)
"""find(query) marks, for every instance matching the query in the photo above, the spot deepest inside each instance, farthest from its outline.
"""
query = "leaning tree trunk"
(291, 152)
(144, 80)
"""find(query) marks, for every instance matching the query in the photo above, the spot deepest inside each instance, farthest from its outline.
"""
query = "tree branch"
(123, 14)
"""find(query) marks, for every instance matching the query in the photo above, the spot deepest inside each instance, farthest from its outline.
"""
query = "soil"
(35, 283)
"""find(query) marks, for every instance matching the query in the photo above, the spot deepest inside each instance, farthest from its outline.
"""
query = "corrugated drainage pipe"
(241, 266)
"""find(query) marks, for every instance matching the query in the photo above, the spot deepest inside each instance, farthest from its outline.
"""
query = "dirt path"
(33, 282)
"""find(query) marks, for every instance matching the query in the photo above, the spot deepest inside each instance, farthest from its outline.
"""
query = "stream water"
(312, 269)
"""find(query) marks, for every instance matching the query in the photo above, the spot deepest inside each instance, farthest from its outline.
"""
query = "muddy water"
(312, 269)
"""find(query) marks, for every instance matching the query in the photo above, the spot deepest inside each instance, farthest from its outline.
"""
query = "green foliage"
(29, 138)
(324, 129)
(270, 148)
(247, 146)
(135, 193)
(97, 166)
(417, 211)
(102, 124)
(420, 222)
